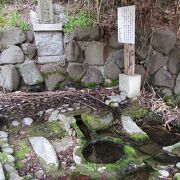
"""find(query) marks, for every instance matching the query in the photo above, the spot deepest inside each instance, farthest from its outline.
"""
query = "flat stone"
(49, 43)
(130, 126)
(30, 73)
(2, 176)
(94, 53)
(63, 144)
(12, 55)
(27, 121)
(10, 78)
(3, 134)
(51, 59)
(44, 149)
(98, 122)
(173, 149)
(47, 27)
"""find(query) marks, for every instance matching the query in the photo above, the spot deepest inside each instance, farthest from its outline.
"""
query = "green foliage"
(85, 20)
(139, 137)
(3, 157)
(19, 165)
(130, 151)
(111, 83)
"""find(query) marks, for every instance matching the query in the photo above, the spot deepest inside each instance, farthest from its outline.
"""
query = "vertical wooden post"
(129, 59)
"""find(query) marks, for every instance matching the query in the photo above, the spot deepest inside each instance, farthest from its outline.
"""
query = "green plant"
(3, 157)
(85, 20)
(24, 26)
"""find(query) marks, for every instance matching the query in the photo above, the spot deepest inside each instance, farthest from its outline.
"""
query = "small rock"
(176, 176)
(8, 150)
(70, 132)
(163, 173)
(27, 121)
(8, 168)
(49, 111)
(70, 109)
(178, 165)
(40, 113)
(3, 134)
(65, 105)
(39, 174)
(11, 158)
(14, 176)
(113, 104)
(15, 124)
(60, 108)
(2, 176)
(63, 110)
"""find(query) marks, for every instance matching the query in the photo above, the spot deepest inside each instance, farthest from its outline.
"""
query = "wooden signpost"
(126, 35)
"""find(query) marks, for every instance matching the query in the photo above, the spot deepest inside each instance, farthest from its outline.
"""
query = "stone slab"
(47, 27)
(130, 84)
(51, 59)
(49, 43)
(45, 11)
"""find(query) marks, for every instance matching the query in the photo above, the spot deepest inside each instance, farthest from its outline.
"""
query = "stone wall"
(90, 59)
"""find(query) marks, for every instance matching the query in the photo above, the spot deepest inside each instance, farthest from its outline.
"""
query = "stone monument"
(48, 35)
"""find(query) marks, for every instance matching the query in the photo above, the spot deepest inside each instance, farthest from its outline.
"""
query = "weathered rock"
(2, 176)
(73, 52)
(44, 149)
(12, 55)
(62, 18)
(166, 92)
(30, 50)
(83, 45)
(113, 41)
(3, 134)
(177, 86)
(117, 57)
(8, 150)
(15, 124)
(10, 78)
(139, 69)
(94, 53)
(40, 174)
(96, 33)
(57, 9)
(76, 71)
(164, 41)
(30, 73)
(63, 144)
(163, 173)
(97, 122)
(81, 34)
(130, 126)
(27, 121)
(34, 17)
(14, 36)
(14, 176)
(174, 61)
(8, 168)
(53, 74)
(173, 149)
(30, 36)
(155, 61)
(11, 158)
(112, 71)
(92, 76)
(164, 78)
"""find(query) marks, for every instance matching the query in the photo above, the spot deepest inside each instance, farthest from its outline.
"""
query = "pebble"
(8, 150)
(163, 173)
(63, 110)
(65, 105)
(60, 108)
(70, 109)
(10, 158)
(178, 165)
(39, 174)
(3, 134)
(27, 121)
(15, 124)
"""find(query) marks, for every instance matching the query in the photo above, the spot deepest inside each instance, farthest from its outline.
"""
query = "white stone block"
(130, 84)
(47, 27)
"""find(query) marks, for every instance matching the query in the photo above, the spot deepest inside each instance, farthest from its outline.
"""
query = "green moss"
(135, 111)
(48, 130)
(139, 137)
(91, 85)
(111, 83)
(129, 151)
(47, 74)
(19, 165)
(3, 157)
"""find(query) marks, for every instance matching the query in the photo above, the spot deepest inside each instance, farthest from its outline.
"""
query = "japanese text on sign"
(126, 24)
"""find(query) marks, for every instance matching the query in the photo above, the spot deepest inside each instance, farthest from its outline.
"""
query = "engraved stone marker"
(45, 10)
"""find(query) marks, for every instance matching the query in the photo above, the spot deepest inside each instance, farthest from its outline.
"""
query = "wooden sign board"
(126, 24)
